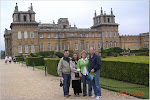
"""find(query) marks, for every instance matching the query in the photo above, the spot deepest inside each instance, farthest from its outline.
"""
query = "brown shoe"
(66, 96)
(69, 95)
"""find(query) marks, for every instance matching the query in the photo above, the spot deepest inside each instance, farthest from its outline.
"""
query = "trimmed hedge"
(125, 71)
(19, 59)
(37, 61)
(137, 73)
(52, 64)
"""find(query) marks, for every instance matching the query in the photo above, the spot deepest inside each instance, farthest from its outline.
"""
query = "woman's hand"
(80, 74)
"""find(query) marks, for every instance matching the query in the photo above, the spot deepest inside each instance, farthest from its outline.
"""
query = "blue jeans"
(84, 79)
(96, 83)
(66, 83)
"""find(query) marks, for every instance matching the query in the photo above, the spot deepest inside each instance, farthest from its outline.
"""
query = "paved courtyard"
(20, 82)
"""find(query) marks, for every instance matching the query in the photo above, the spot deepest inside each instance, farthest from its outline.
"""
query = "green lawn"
(40, 67)
(134, 59)
(133, 91)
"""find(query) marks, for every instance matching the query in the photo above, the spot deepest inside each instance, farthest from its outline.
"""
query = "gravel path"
(20, 82)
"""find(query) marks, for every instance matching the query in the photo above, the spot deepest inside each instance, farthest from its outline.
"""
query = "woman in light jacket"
(76, 81)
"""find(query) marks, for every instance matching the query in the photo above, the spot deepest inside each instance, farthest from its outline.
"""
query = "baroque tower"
(24, 30)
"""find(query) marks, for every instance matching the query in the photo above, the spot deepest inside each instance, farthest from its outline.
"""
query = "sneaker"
(93, 96)
(98, 97)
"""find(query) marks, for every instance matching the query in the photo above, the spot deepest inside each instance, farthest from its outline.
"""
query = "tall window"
(55, 36)
(98, 34)
(41, 35)
(115, 44)
(99, 45)
(105, 33)
(19, 34)
(87, 35)
(80, 34)
(25, 34)
(42, 47)
(49, 46)
(106, 44)
(93, 45)
(62, 35)
(110, 33)
(87, 45)
(48, 36)
(31, 34)
(56, 46)
(110, 44)
(68, 45)
(63, 46)
(76, 46)
(32, 48)
(92, 34)
(81, 46)
(20, 48)
(114, 33)
(26, 49)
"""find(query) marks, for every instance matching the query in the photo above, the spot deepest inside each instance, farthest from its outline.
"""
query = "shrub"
(59, 54)
(46, 53)
(125, 71)
(19, 59)
(52, 64)
(37, 61)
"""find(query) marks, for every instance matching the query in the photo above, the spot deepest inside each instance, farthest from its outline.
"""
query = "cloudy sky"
(133, 16)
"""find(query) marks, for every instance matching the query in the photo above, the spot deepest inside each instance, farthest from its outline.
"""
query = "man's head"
(66, 53)
(92, 51)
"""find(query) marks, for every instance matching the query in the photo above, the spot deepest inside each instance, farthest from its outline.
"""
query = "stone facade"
(27, 36)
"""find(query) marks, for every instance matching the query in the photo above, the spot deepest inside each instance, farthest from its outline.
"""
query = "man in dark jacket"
(94, 67)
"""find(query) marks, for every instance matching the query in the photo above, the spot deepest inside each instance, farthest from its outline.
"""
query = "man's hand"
(92, 70)
(60, 75)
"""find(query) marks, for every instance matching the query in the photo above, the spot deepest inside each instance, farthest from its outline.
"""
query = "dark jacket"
(94, 62)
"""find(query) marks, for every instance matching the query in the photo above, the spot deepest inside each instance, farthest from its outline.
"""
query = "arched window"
(56, 46)
(31, 34)
(110, 33)
(63, 46)
(49, 46)
(32, 48)
(106, 44)
(87, 45)
(110, 44)
(42, 47)
(26, 49)
(25, 34)
(81, 46)
(115, 44)
(99, 45)
(19, 34)
(68, 45)
(114, 33)
(93, 45)
(20, 48)
(105, 33)
(76, 46)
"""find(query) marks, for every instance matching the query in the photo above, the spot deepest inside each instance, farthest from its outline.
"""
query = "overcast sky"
(133, 16)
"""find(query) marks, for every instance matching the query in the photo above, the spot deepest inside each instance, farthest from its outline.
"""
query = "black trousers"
(76, 85)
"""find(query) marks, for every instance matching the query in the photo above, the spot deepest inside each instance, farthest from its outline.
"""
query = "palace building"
(28, 36)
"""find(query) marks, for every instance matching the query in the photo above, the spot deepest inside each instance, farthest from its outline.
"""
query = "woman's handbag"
(77, 75)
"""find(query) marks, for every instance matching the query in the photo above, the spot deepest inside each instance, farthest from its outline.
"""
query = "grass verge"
(137, 92)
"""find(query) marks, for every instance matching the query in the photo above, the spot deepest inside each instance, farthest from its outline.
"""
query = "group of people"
(9, 59)
(78, 70)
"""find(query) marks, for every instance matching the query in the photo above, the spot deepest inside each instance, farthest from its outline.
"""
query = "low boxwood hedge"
(37, 61)
(19, 59)
(52, 64)
(126, 71)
